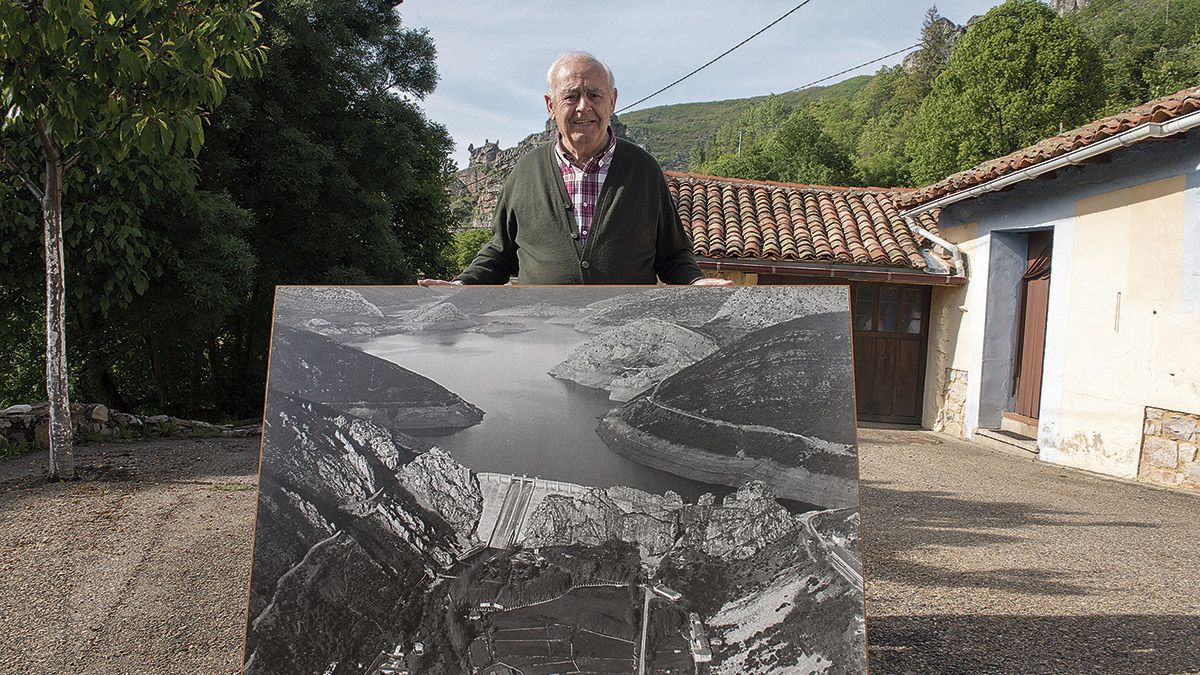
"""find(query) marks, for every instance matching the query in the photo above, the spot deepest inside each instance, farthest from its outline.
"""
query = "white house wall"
(1129, 226)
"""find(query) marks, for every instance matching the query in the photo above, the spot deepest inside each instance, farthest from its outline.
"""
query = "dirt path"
(142, 567)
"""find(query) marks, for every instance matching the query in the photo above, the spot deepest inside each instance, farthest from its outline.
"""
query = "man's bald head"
(576, 58)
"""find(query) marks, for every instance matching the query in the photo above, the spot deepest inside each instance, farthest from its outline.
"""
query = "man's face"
(581, 101)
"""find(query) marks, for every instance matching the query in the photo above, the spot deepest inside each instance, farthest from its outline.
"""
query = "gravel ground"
(976, 562)
(141, 567)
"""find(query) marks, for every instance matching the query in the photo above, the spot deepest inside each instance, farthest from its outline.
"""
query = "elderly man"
(589, 208)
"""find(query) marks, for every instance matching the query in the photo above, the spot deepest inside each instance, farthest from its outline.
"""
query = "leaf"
(165, 137)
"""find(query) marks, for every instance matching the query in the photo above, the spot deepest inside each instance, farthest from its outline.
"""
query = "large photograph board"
(558, 480)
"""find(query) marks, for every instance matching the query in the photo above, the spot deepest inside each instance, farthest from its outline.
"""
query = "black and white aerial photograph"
(536, 480)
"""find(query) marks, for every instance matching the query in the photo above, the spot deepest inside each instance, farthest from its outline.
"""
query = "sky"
(493, 55)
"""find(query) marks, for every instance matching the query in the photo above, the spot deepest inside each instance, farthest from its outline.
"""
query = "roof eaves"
(1155, 119)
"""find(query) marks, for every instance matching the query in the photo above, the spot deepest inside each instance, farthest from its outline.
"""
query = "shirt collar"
(597, 161)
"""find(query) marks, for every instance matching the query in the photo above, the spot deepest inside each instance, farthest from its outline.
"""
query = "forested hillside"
(670, 132)
(1019, 74)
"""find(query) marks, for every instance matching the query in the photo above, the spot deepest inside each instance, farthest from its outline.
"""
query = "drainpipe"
(959, 268)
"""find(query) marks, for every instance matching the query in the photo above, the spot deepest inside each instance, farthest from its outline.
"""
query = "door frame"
(921, 339)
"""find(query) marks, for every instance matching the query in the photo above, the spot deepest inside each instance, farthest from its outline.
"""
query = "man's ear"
(614, 99)
(549, 105)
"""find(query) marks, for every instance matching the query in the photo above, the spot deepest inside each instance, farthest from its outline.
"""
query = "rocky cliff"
(328, 311)
(1068, 6)
(346, 537)
(318, 369)
(742, 525)
(628, 359)
(794, 613)
(443, 486)
(438, 316)
(775, 405)
(478, 185)
(596, 517)
(745, 523)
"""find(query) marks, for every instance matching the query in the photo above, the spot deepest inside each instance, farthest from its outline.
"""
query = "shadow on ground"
(139, 463)
(1025, 644)
(917, 518)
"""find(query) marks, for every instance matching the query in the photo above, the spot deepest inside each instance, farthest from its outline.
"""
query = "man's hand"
(427, 283)
(712, 281)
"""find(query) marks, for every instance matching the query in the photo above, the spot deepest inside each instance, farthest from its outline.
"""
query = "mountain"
(681, 306)
(353, 522)
(670, 131)
(316, 368)
(771, 406)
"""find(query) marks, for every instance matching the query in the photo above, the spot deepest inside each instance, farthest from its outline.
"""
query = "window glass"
(889, 301)
(912, 311)
(864, 308)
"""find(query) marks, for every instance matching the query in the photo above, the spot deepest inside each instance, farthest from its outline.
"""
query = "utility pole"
(740, 142)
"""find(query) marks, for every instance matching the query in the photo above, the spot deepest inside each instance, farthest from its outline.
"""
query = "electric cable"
(718, 58)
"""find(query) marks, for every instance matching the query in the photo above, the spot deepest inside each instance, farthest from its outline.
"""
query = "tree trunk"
(62, 454)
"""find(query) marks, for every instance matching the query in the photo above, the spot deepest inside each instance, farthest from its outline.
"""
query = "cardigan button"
(585, 264)
(574, 235)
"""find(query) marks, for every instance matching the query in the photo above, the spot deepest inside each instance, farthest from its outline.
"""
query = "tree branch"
(4, 159)
(74, 159)
(49, 145)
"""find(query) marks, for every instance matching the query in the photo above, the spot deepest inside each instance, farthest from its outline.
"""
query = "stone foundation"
(1169, 456)
(738, 278)
(952, 401)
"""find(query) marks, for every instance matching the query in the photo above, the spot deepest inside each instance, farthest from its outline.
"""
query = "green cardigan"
(635, 235)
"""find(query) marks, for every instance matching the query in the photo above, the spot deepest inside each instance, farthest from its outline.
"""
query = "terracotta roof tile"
(733, 218)
(1160, 110)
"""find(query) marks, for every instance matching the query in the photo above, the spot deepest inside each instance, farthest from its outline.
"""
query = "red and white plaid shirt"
(583, 185)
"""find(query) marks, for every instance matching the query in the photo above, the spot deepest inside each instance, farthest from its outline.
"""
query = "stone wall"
(28, 425)
(952, 400)
(1169, 440)
(738, 278)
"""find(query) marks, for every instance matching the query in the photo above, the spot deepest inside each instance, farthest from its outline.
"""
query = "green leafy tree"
(1150, 48)
(1018, 75)
(346, 178)
(146, 285)
(795, 149)
(83, 82)
(874, 125)
(938, 36)
(466, 246)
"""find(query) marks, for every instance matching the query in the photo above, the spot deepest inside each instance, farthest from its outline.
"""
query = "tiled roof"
(1160, 110)
(765, 220)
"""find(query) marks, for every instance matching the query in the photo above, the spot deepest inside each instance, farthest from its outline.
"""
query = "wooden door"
(1031, 341)
(891, 329)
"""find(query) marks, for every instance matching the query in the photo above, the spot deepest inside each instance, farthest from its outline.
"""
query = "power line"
(485, 178)
(850, 70)
(718, 58)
